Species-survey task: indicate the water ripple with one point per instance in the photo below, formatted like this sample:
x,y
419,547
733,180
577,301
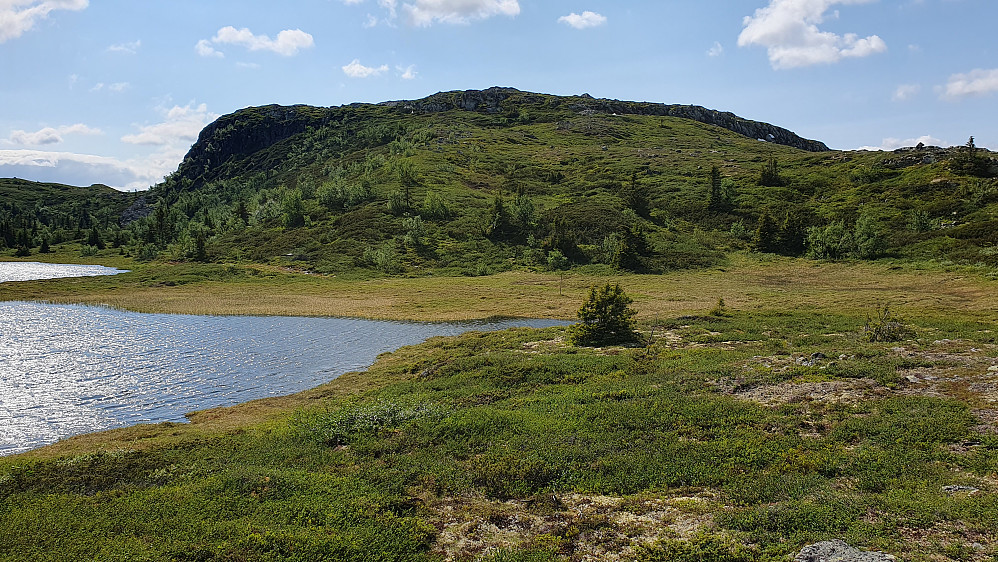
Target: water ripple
x,y
67,369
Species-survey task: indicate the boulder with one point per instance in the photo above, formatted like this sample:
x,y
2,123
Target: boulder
x,y
839,551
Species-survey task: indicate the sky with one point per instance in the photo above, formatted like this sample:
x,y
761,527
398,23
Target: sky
x,y
116,91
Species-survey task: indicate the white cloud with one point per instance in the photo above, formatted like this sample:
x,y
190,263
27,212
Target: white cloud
x,y
126,48
974,83
19,16
49,135
170,139
81,169
716,50
391,6
407,73
288,42
905,92
894,143
424,13
181,126
789,31
205,49
584,20
357,70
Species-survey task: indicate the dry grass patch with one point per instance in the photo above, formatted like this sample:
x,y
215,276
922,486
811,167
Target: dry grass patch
x,y
577,527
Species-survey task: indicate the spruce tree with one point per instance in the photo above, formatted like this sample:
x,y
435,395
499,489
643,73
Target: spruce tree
x,y
766,237
605,318
716,199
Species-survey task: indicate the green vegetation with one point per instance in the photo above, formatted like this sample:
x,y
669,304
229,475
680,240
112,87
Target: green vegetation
x,y
367,190
735,437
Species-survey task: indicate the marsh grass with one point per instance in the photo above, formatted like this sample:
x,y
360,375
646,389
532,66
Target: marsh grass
x,y
747,283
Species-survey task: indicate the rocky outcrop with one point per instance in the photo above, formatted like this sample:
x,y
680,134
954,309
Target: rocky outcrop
x,y
245,132
839,551
492,99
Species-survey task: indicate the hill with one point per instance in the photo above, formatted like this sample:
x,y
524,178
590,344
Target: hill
x,y
32,213
478,182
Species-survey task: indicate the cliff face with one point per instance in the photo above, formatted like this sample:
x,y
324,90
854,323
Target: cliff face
x,y
492,101
233,137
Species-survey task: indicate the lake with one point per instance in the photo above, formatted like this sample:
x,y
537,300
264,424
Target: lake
x,y
68,369
29,271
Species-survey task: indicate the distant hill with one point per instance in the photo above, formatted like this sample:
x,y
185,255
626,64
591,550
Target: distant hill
x,y
32,211
475,182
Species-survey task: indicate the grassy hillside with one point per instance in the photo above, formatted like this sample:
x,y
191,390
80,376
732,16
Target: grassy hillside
x,y
521,180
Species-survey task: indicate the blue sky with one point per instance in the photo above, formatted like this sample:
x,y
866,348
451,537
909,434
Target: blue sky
x,y
115,91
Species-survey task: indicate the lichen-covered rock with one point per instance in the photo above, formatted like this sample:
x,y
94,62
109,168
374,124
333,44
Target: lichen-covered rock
x,y
839,551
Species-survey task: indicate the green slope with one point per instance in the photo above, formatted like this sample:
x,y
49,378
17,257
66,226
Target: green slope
x,y
480,182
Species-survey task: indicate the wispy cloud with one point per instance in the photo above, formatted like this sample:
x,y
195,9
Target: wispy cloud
x,y
407,73
129,48
287,43
180,125
205,49
789,31
905,92
585,20
974,83
116,87
424,13
357,70
78,169
20,16
49,135
427,12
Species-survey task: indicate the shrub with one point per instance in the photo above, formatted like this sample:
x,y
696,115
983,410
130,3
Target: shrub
x,y
385,258
887,327
605,318
701,548
341,427
415,231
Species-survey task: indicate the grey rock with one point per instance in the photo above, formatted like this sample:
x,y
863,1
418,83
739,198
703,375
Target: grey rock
x,y
957,489
839,551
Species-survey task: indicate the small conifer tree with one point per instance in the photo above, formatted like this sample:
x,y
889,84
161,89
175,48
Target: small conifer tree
x,y
766,237
605,318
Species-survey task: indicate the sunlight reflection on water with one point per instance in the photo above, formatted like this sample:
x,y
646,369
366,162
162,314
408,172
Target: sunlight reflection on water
x,y
29,271
66,369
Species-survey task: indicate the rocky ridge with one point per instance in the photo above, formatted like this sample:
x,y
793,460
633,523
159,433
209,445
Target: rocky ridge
x,y
493,99
223,145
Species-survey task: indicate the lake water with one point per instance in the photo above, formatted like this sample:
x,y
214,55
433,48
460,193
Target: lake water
x,y
28,271
67,369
